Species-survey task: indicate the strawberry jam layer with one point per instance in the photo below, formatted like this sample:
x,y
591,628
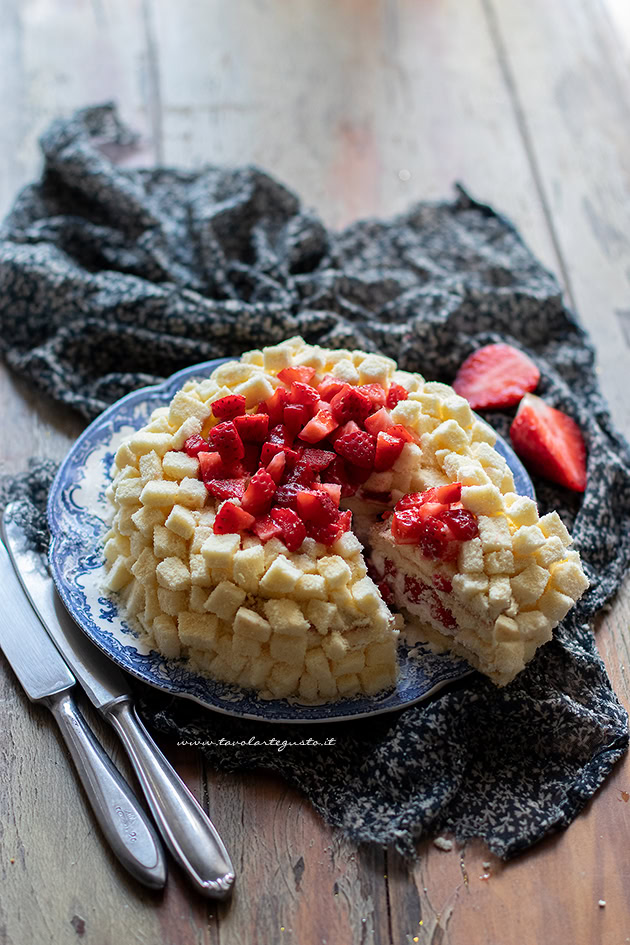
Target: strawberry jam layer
x,y
417,596
435,521
285,465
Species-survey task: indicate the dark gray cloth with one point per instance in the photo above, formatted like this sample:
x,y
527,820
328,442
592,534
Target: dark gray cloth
x,y
111,279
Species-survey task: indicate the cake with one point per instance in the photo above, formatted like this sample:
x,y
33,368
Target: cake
x,y
282,520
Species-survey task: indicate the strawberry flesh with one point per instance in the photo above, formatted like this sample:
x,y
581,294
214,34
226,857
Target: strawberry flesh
x,y
290,374
550,443
494,376
292,527
226,408
252,427
350,404
226,488
231,518
388,449
225,440
259,493
395,394
358,447
195,444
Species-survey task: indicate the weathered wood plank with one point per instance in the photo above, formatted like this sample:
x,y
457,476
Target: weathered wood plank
x,y
568,67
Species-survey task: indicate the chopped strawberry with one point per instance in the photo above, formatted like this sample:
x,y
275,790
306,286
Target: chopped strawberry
x,y
442,583
357,475
293,530
462,523
452,492
226,488
225,440
275,467
376,394
395,394
194,445
407,436
265,528
550,443
318,459
345,521
295,416
495,376
315,506
252,427
319,427
372,496
211,466
331,488
286,495
330,386
407,526
388,449
274,406
441,613
349,427
381,420
231,518
259,493
226,408
290,374
386,593
350,404
358,447
304,394
270,450
302,473
326,534
337,474
251,457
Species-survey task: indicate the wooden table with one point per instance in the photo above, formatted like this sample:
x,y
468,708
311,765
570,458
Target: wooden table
x,y
361,106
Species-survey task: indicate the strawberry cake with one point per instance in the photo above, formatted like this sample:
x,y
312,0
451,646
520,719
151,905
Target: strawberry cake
x,y
283,520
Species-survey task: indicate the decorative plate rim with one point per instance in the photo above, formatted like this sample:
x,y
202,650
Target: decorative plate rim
x,y
76,559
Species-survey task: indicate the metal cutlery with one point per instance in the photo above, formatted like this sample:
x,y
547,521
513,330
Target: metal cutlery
x,y
186,829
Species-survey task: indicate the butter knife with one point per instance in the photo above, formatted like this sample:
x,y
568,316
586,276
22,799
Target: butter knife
x,y
186,829
46,679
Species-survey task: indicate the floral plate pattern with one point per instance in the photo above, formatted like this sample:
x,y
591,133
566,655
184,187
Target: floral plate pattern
x,y
78,513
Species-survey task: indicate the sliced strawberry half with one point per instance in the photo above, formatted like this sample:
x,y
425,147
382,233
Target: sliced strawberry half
x,y
496,376
226,488
252,427
195,444
388,449
232,518
225,440
550,443
259,493
292,526
226,408
358,447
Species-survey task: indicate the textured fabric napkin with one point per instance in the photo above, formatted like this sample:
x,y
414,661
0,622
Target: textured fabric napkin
x,y
112,278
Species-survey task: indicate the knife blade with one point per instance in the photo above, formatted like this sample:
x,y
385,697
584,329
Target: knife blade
x,y
186,829
46,679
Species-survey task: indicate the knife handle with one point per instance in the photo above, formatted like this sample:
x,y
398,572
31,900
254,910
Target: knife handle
x,y
186,829
122,820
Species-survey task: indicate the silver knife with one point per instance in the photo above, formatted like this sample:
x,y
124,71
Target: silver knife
x,y
46,678
186,829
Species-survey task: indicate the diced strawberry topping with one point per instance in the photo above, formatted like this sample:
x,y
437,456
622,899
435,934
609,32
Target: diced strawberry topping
x,y
226,488
286,495
290,374
195,444
226,408
259,493
265,528
326,534
376,394
332,489
330,386
316,506
359,448
225,440
304,394
345,521
350,404
435,521
275,467
317,459
275,405
395,394
211,466
388,449
319,427
251,457
293,530
381,420
550,443
337,474
252,427
295,416
232,518
495,376
403,433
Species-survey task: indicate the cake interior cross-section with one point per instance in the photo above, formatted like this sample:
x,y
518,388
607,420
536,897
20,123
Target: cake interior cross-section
x,y
283,521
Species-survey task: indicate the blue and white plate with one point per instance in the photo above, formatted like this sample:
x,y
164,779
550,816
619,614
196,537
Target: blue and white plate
x,y
78,512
